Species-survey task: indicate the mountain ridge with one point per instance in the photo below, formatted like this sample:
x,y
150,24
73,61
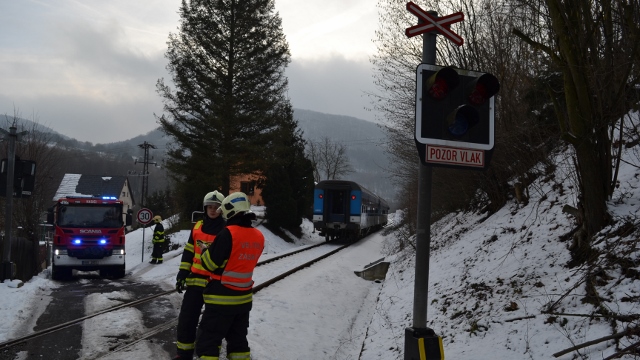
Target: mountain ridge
x,y
363,139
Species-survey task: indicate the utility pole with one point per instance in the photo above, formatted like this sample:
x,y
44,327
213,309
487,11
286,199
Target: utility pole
x,y
145,170
12,136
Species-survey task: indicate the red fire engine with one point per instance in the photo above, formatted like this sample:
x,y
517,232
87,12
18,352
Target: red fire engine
x,y
89,234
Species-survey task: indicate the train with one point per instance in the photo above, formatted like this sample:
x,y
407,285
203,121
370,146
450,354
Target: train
x,y
346,210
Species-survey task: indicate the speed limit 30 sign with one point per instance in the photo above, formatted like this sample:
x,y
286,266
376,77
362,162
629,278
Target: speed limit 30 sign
x,y
144,216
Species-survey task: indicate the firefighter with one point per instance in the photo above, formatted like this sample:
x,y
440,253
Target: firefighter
x,y
192,276
158,241
228,296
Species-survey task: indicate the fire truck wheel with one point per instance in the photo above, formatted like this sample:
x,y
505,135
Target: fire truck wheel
x,y
60,273
119,272
115,272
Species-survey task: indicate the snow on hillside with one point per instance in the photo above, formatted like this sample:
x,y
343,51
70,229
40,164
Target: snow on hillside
x,y
493,277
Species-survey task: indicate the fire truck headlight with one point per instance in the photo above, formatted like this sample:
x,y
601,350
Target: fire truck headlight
x,y
76,241
118,251
60,252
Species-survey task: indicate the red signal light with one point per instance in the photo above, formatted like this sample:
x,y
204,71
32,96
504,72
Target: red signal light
x,y
353,197
320,196
441,83
478,95
439,89
484,87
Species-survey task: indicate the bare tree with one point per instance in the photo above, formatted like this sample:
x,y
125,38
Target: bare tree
x,y
595,47
329,159
523,130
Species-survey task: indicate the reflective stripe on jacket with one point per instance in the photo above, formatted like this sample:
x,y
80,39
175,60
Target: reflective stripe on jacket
x,y
199,239
247,246
158,233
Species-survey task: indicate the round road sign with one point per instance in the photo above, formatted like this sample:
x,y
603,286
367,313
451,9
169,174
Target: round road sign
x,y
144,216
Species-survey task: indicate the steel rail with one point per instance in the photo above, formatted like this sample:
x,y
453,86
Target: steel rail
x,y
10,343
162,327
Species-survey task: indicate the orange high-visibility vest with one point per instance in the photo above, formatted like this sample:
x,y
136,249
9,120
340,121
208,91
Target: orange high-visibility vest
x,y
246,248
200,237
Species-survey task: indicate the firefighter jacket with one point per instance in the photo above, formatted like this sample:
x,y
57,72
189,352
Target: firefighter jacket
x,y
158,234
232,259
202,235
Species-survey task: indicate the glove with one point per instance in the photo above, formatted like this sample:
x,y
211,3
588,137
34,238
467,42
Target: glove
x,y
203,244
181,285
181,282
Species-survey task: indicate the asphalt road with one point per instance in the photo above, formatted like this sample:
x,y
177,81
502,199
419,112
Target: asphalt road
x,y
68,304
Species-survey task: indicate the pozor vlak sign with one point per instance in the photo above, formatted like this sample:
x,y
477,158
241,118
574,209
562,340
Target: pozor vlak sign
x,y
454,116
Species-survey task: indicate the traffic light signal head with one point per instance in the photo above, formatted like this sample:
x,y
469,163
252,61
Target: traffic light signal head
x,y
454,107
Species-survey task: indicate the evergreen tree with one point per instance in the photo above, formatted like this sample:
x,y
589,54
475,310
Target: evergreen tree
x,y
288,185
227,64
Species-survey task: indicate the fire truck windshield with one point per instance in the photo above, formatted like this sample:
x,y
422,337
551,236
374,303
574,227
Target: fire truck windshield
x,y
90,216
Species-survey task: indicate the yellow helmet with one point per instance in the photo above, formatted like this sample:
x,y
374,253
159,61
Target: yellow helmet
x,y
157,218
212,198
235,204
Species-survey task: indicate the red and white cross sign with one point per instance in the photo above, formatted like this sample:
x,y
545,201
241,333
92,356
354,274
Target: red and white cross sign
x,y
440,24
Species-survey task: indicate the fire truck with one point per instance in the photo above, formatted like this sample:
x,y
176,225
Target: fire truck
x,y
88,234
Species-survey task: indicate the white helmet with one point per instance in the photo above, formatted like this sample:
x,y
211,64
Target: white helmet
x,y
234,204
212,198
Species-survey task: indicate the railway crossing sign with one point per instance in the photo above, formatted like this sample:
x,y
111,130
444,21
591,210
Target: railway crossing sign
x,y
144,216
431,23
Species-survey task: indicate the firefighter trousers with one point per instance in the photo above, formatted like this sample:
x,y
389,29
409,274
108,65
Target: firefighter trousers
x,y
188,320
217,325
156,254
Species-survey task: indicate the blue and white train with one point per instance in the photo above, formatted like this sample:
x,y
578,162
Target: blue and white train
x,y
346,210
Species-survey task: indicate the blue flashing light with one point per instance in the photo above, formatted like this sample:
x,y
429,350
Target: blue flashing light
x,y
109,198
103,241
77,241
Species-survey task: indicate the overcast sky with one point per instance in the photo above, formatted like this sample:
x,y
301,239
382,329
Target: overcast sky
x,y
88,68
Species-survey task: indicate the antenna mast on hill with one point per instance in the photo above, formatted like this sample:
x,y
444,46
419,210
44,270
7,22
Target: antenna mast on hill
x,y
145,170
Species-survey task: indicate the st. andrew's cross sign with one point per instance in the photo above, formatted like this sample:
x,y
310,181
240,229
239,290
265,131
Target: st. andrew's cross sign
x,y
430,23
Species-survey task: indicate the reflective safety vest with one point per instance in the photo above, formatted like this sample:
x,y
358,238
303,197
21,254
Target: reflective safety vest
x,y
199,239
246,248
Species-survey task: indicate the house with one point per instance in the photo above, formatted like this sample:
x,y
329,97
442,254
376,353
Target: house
x,y
247,184
97,186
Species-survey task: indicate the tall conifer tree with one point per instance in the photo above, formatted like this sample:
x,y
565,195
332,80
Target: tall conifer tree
x,y
227,63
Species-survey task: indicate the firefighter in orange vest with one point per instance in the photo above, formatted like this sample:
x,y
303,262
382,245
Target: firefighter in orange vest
x,y
228,296
192,276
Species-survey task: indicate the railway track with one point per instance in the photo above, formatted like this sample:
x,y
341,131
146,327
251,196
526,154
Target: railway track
x,y
300,259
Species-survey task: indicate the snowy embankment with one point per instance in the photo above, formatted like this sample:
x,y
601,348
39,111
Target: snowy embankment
x,y
499,285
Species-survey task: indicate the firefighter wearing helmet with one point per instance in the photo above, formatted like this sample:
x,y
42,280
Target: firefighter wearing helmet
x,y
228,296
192,276
158,241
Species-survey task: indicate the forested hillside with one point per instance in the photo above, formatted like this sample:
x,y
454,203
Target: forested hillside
x,y
363,139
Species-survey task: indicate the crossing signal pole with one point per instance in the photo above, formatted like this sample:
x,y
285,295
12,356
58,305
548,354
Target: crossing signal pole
x,y
145,170
454,128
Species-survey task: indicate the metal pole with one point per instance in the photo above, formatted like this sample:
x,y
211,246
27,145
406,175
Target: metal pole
x,y
423,236
421,343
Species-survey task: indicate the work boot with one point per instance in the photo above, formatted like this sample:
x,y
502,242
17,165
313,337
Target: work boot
x,y
153,261
183,357
159,262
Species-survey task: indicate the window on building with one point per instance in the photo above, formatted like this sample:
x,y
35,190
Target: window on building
x,y
247,187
